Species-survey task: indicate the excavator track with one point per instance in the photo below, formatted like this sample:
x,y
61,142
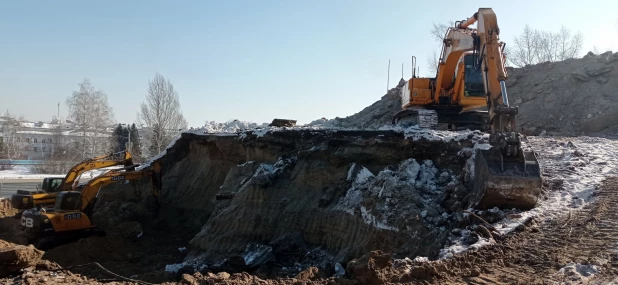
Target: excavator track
x,y
427,119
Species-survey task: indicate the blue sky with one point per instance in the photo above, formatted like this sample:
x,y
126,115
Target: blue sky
x,y
247,60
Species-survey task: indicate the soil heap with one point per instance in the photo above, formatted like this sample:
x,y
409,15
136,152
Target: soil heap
x,y
571,97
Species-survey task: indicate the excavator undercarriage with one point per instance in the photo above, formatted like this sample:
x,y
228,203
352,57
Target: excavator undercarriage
x,y
442,118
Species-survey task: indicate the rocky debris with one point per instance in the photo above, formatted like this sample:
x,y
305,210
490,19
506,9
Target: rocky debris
x,y
278,202
15,257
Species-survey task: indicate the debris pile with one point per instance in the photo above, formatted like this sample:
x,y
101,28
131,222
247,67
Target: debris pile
x,y
14,257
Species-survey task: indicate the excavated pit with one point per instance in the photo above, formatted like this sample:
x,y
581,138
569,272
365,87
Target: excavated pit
x,y
275,202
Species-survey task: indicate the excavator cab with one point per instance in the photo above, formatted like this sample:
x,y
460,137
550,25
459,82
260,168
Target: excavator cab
x,y
473,78
68,200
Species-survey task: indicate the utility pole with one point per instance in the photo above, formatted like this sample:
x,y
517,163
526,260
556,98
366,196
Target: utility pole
x,y
388,75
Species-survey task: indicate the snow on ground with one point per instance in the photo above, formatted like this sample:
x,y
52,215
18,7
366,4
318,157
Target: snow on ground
x,y
24,172
233,126
573,167
578,272
161,154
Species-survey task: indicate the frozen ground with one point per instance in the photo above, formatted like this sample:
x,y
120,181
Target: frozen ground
x,y
573,168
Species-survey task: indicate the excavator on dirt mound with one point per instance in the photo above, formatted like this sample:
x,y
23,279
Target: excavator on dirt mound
x,y
471,75
71,216
28,199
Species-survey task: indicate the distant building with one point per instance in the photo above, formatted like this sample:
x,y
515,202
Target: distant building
x,y
39,140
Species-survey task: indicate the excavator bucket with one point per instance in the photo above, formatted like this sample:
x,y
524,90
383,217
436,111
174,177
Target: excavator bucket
x,y
506,182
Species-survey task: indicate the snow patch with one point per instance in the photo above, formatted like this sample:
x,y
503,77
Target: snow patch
x,y
24,172
396,193
161,154
372,220
573,168
578,272
232,126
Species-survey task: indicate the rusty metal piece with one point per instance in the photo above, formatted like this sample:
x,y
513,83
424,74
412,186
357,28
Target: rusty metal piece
x,y
506,182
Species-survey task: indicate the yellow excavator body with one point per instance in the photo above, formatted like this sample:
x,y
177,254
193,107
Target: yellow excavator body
x,y
471,76
71,215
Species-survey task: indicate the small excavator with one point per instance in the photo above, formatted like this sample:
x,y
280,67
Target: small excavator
x,y
28,199
471,75
71,216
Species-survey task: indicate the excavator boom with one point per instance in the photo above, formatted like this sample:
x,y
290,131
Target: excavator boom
x,y
26,199
107,160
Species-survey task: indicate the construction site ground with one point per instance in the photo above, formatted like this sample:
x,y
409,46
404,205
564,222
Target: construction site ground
x,y
355,201
578,248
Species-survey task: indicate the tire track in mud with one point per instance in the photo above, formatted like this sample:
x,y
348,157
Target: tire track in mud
x,y
582,243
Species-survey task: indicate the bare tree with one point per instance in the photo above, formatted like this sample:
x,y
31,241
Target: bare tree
x,y
535,46
90,111
432,62
161,113
12,140
568,45
438,31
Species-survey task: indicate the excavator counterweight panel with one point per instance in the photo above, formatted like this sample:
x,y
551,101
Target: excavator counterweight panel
x,y
506,182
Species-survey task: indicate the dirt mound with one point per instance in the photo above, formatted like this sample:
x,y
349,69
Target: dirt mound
x,y
15,257
571,97
10,227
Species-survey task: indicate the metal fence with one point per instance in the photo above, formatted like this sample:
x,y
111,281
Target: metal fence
x,y
8,188
21,162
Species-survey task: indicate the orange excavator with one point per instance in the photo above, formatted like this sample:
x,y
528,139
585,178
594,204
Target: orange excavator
x,y
471,76
27,199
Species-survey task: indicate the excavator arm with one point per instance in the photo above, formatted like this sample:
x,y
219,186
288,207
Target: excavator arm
x,y
107,160
91,190
506,176
491,61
